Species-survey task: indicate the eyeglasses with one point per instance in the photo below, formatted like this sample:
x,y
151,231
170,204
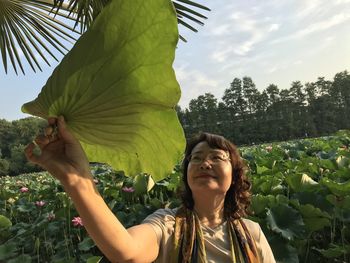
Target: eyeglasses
x,y
213,158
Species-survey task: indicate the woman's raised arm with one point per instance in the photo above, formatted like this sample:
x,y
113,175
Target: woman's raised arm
x,y
63,157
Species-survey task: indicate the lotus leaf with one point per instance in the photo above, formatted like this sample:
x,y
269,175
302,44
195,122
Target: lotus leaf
x,y
24,258
7,250
5,222
335,251
143,184
94,259
261,202
339,189
314,218
302,182
282,251
117,89
285,220
343,161
86,244
316,199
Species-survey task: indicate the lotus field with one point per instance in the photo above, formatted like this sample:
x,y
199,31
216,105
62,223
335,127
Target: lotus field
x,y
301,199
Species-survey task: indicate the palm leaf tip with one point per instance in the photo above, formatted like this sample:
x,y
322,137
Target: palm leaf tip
x,y
26,30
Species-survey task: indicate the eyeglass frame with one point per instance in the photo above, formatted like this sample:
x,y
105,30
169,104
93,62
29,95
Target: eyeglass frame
x,y
212,162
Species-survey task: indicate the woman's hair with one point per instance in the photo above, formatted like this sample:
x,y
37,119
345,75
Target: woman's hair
x,y
237,199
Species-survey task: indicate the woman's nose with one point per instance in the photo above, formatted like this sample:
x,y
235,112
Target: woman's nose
x,y
205,164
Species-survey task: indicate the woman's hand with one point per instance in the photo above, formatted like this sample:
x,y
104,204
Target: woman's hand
x,y
61,153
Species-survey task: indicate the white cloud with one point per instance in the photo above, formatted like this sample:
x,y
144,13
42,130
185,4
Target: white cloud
x,y
221,30
324,25
309,7
340,2
315,27
273,27
272,70
193,83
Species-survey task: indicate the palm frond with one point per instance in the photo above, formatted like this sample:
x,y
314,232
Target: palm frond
x,y
27,29
87,10
33,28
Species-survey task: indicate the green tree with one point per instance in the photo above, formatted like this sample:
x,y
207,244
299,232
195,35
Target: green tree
x,y
18,163
236,105
4,166
272,92
251,94
13,136
297,94
7,136
340,92
234,98
204,113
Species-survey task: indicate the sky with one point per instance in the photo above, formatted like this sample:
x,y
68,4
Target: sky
x,y
271,41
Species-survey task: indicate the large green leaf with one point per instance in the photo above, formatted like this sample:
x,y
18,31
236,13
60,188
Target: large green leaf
x,y
314,218
117,89
285,220
261,202
94,259
302,182
335,251
143,184
282,251
4,222
24,258
7,251
339,189
316,199
86,244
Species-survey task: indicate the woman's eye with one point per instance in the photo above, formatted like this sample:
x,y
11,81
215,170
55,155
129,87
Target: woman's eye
x,y
217,157
195,158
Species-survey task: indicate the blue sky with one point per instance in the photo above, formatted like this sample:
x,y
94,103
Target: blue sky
x,y
271,41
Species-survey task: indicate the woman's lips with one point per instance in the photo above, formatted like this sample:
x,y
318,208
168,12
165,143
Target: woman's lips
x,y
205,175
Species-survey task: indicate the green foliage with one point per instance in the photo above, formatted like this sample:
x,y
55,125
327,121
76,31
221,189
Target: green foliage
x,y
307,219
298,200
4,167
246,115
13,138
119,100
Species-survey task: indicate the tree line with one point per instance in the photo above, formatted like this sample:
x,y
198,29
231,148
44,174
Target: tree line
x,y
14,136
246,115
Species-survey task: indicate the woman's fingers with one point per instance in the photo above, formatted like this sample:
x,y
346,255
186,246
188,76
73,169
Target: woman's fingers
x,y
48,130
42,141
52,121
63,131
29,152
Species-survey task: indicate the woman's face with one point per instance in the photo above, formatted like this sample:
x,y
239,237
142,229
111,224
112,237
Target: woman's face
x,y
209,169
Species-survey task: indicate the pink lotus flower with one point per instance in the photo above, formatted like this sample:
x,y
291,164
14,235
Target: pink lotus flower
x,y
128,189
268,148
24,189
77,221
40,203
51,216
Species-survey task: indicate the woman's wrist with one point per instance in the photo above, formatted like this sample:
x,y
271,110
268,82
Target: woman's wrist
x,y
76,182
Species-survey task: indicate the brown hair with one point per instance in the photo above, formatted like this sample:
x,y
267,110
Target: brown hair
x,y
237,199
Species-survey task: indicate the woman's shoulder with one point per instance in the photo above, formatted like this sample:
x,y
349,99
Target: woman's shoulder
x,y
253,228
163,215
261,241
250,223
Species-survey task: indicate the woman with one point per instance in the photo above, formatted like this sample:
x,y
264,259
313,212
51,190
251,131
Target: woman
x,y
207,228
